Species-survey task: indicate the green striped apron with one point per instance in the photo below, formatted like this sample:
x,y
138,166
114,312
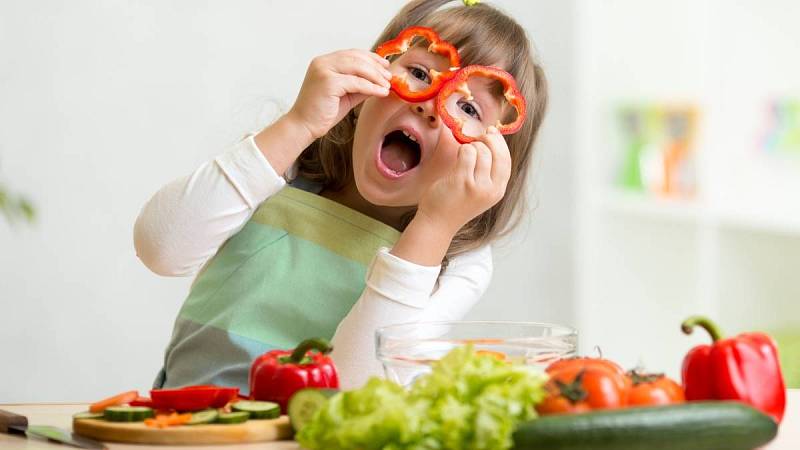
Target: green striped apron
x,y
294,271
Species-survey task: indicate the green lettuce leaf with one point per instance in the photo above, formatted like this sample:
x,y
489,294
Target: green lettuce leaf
x,y
468,401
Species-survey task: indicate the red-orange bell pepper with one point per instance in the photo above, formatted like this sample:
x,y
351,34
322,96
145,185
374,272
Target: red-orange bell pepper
x,y
276,375
744,368
193,398
402,43
459,84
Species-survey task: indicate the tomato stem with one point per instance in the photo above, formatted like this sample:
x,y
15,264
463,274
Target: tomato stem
x,y
574,391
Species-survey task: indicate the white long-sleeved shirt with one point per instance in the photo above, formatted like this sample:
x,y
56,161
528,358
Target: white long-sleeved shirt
x,y
184,224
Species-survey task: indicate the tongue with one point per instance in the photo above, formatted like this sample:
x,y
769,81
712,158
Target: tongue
x,y
397,156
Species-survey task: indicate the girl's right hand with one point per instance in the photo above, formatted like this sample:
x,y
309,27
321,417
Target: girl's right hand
x,y
334,84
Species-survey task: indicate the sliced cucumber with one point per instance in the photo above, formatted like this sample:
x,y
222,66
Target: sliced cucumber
x,y
127,413
305,402
203,417
258,410
233,417
88,415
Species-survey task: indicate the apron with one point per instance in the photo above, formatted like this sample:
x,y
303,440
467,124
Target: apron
x,y
293,272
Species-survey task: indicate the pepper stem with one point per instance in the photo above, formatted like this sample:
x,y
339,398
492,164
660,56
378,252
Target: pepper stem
x,y
688,325
319,344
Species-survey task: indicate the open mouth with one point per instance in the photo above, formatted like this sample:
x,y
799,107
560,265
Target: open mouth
x,y
400,152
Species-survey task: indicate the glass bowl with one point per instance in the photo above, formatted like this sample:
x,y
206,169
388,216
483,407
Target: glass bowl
x,y
408,350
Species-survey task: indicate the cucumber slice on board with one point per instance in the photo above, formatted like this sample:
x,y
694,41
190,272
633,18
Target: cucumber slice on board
x,y
305,402
203,417
233,417
88,415
257,409
127,413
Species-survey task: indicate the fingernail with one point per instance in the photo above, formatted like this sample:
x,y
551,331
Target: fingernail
x,y
491,129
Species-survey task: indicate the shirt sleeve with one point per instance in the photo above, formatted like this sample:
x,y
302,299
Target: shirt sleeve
x,y
184,224
398,291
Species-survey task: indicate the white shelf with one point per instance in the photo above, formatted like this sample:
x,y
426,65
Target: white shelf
x,y
651,207
693,212
643,262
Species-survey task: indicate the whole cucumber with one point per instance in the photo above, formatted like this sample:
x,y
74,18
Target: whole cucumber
x,y
708,425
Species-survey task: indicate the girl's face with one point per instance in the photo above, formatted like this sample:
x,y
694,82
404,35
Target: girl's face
x,y
400,149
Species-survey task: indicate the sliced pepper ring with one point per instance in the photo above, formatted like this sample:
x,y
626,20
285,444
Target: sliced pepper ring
x,y
402,43
458,85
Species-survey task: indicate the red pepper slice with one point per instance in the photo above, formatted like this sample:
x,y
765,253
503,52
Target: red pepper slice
x,y
276,375
744,368
142,401
459,84
402,43
193,398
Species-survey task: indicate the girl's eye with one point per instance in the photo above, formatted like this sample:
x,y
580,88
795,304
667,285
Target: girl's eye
x,y
470,110
419,74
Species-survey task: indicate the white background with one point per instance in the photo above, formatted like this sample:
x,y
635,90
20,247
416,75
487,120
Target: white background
x,y
104,101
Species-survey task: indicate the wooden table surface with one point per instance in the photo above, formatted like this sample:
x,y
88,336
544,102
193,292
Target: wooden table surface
x,y
60,415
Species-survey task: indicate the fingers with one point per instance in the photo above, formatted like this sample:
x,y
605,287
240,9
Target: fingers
x,y
466,160
351,84
501,158
361,63
383,61
483,164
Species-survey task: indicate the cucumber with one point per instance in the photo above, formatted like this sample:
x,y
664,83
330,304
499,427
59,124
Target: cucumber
x,y
233,417
88,415
690,426
258,410
203,417
305,402
127,413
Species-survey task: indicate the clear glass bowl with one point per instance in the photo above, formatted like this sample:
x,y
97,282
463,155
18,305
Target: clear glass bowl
x,y
408,350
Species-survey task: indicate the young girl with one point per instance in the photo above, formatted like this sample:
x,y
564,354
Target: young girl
x,y
371,230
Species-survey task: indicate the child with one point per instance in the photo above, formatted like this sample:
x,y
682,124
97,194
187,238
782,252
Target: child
x,y
371,230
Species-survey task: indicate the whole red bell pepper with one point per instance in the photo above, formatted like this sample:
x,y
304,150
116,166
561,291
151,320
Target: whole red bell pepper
x,y
276,375
744,368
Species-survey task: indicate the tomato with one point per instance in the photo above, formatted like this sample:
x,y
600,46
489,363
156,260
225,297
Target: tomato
x,y
557,404
585,362
576,389
653,390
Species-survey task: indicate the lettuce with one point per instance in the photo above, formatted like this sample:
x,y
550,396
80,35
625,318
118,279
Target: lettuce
x,y
468,401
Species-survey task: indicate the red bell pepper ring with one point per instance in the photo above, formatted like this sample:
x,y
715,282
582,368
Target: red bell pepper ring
x,y
744,368
276,375
402,43
193,398
459,84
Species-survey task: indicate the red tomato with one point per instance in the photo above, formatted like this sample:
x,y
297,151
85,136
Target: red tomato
x,y
653,390
579,389
585,362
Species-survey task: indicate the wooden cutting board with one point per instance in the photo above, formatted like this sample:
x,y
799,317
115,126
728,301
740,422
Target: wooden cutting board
x,y
139,433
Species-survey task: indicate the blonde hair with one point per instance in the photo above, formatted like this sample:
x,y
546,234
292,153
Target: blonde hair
x,y
484,35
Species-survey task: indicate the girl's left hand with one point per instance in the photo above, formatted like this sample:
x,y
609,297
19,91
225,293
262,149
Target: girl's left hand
x,y
476,183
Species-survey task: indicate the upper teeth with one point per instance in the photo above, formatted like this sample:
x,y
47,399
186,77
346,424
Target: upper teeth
x,y
409,136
